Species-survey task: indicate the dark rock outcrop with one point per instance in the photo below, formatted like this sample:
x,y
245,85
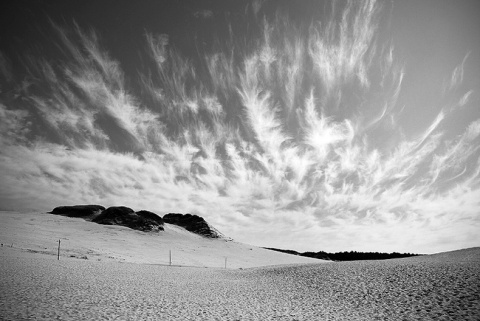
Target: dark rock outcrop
x,y
192,223
142,220
125,216
84,211
151,216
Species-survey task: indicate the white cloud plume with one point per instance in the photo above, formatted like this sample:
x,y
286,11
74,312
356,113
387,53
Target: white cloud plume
x,y
281,137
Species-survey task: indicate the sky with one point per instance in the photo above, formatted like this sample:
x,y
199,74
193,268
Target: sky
x,y
304,125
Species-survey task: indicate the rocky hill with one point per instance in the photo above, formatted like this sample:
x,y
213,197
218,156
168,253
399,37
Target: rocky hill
x,y
125,216
85,211
141,220
192,223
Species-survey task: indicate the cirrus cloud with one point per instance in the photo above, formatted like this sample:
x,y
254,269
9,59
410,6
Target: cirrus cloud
x,y
293,141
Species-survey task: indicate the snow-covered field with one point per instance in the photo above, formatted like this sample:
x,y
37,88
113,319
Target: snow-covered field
x,y
37,286
40,232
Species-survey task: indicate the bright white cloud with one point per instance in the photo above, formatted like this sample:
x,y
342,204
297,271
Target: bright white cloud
x,y
272,147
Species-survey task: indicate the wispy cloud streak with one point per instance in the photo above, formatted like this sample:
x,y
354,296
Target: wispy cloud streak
x,y
281,135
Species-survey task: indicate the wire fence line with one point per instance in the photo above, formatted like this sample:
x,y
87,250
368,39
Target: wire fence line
x,y
62,250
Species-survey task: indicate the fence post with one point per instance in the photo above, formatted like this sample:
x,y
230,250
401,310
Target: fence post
x,y
225,262
170,257
58,254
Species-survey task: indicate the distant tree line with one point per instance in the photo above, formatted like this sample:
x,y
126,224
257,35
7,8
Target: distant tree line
x,y
347,256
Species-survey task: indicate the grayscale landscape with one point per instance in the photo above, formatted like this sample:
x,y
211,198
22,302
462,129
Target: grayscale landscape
x,y
239,159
